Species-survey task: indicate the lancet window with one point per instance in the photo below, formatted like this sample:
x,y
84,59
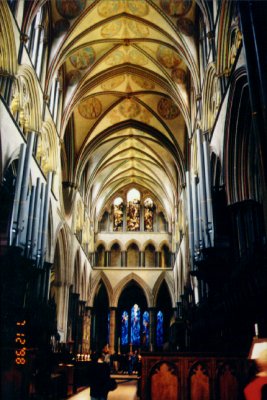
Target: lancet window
x,y
159,329
145,333
135,328
135,325
133,210
133,213
124,328
118,214
148,214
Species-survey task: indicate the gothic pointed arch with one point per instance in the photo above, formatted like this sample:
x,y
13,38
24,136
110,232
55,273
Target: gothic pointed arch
x,y
164,279
138,281
241,153
211,98
26,100
98,279
63,253
47,148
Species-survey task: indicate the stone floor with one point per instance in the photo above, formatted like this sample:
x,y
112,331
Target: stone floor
x,y
126,390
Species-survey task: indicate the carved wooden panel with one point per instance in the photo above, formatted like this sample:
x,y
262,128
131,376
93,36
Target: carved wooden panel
x,y
164,382
227,386
199,382
182,376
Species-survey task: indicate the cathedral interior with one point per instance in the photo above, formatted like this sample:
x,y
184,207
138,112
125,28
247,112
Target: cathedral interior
x,y
133,170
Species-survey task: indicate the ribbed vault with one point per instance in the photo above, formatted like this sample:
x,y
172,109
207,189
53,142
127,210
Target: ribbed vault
x,y
126,113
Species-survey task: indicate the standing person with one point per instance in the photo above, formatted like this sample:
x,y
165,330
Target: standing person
x,y
256,390
99,375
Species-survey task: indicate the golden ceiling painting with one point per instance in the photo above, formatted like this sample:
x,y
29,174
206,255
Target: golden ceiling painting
x,y
126,65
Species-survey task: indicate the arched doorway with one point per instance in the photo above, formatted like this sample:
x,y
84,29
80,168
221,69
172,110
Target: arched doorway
x,y
163,317
100,319
132,319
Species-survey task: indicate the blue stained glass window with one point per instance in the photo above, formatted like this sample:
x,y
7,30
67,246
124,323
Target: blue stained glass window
x,y
135,325
124,328
159,328
146,327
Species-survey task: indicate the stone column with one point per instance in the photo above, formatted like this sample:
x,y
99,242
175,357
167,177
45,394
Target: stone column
x,y
142,218
92,258
155,221
124,259
141,259
109,223
124,227
87,331
107,258
112,330
157,259
152,330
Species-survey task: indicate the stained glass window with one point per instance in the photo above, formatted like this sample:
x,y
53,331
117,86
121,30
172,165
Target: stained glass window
x,y
159,329
148,214
135,325
145,333
124,328
133,210
118,214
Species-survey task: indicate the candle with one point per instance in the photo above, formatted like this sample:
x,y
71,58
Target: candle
x,y
256,330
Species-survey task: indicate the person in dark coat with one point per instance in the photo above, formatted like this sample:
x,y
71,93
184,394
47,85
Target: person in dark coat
x,y
99,375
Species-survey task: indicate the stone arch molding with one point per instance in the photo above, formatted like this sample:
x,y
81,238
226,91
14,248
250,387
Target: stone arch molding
x,y
25,102
124,282
164,243
47,149
148,242
132,241
63,242
8,58
211,97
102,243
118,242
95,281
170,284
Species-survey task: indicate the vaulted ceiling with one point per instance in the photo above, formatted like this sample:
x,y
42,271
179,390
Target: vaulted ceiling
x,y
128,67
